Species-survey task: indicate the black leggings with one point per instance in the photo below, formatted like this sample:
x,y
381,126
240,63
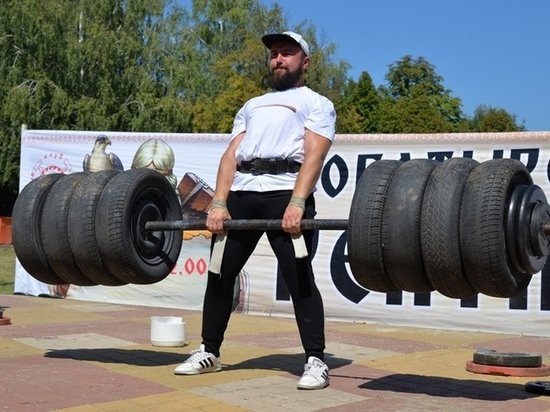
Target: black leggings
x,y
297,273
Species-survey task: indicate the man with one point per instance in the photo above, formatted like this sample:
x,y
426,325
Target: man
x,y
269,171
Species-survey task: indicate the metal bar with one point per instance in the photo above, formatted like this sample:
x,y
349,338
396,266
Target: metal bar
x,y
249,224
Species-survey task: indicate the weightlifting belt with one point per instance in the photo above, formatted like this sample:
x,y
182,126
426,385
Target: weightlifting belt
x,y
271,166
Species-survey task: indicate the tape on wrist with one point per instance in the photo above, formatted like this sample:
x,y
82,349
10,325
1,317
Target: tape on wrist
x,y
298,202
218,204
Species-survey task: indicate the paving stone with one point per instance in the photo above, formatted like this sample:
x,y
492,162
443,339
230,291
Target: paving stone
x,y
76,341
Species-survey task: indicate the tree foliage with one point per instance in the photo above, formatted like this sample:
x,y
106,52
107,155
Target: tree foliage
x,y
490,119
415,100
357,110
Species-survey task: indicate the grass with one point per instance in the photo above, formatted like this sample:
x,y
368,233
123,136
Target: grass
x,y
7,270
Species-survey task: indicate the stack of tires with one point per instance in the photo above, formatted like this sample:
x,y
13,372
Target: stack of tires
x,y
459,227
88,228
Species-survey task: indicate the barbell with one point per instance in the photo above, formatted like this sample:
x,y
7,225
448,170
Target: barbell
x,y
458,226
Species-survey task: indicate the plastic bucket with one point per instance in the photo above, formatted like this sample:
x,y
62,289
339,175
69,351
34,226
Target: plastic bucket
x,y
167,331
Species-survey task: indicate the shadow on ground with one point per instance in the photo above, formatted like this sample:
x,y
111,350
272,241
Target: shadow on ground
x,y
436,386
137,357
292,363
448,387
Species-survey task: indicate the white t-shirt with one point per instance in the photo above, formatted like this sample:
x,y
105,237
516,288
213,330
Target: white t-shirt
x,y
275,124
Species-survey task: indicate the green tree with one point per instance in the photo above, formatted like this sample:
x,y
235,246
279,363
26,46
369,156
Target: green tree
x,y
77,64
415,114
415,100
490,119
357,110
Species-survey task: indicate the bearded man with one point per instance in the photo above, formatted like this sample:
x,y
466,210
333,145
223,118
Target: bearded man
x,y
278,146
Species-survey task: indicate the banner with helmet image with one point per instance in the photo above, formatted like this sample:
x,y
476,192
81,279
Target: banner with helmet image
x,y
189,161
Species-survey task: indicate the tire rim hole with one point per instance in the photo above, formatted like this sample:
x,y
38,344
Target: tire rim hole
x,y
147,242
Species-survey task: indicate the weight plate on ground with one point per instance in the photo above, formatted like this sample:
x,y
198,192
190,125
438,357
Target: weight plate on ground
x,y
492,357
401,226
25,229
127,202
482,227
54,230
439,228
82,237
365,226
529,371
538,387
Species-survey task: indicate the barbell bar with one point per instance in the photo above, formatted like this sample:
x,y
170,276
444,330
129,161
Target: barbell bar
x,y
264,224
248,224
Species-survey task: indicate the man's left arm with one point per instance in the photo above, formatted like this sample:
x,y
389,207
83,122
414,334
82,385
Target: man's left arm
x,y
316,148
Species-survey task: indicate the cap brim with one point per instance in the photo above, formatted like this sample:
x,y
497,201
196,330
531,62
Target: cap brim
x,y
270,39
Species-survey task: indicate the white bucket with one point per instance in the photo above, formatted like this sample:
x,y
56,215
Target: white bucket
x,y
167,331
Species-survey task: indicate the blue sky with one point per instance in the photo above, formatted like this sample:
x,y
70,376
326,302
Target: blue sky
x,y
492,52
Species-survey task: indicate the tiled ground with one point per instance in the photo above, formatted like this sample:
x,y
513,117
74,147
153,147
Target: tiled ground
x,y
86,356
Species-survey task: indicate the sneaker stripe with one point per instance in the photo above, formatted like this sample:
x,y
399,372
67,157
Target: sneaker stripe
x,y
205,363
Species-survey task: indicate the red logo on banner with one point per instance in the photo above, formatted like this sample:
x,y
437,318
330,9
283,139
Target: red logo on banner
x,y
51,163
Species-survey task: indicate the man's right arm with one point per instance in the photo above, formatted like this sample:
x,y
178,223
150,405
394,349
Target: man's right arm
x,y
224,179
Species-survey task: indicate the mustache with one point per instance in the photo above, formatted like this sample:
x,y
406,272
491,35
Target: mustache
x,y
280,66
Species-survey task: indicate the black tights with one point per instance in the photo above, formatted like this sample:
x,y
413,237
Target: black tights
x,y
297,273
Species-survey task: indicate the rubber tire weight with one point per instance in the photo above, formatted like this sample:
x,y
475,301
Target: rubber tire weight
x,y
54,230
82,228
439,228
365,226
127,202
401,226
25,229
482,227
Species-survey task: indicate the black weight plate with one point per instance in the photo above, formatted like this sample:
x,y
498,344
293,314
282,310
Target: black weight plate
x,y
494,358
530,260
538,387
512,221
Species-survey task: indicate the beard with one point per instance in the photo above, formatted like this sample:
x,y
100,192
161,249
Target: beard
x,y
284,81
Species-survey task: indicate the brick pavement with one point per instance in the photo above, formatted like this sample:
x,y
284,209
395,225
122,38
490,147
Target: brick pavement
x,y
77,356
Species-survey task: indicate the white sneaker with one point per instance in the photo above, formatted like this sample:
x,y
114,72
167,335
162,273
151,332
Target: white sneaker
x,y
199,362
315,375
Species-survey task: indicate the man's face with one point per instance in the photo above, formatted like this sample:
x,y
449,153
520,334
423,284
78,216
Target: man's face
x,y
286,65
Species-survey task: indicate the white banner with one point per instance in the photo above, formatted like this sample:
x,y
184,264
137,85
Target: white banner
x,y
260,290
